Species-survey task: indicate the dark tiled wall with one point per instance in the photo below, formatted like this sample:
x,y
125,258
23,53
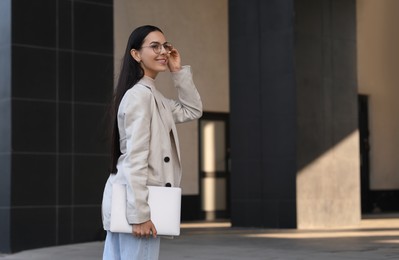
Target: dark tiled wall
x,y
5,123
263,115
62,78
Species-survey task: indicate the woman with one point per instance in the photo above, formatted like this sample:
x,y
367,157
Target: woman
x,y
145,147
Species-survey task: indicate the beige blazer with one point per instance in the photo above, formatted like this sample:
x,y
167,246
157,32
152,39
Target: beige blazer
x,y
149,141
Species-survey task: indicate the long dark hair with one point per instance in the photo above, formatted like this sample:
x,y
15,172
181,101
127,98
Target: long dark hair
x,y
131,72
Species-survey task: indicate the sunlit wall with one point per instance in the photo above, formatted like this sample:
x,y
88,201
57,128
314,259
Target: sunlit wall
x,y
378,77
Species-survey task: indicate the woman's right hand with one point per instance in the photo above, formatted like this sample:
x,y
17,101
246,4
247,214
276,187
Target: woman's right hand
x,y
145,229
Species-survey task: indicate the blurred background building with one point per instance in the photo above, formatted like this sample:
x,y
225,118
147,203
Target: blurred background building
x,y
300,113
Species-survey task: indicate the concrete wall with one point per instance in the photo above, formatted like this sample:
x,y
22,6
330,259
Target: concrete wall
x,y
378,60
198,29
328,181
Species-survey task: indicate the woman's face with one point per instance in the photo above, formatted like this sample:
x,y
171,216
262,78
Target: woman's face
x,y
153,62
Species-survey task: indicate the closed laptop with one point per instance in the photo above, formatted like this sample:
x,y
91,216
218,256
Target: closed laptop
x,y
165,205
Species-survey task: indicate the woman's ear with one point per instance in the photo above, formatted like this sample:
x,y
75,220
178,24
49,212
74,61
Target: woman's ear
x,y
136,55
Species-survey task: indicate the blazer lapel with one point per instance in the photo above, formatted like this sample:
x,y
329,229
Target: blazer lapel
x,y
168,122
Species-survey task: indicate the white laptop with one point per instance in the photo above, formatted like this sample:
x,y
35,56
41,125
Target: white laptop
x,y
164,203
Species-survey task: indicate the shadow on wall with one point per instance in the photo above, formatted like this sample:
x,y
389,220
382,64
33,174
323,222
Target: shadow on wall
x,y
328,165
326,73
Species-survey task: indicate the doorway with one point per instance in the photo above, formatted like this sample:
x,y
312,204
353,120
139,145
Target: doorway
x,y
364,134
214,163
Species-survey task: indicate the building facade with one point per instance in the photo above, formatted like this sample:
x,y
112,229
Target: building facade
x,y
56,78
299,111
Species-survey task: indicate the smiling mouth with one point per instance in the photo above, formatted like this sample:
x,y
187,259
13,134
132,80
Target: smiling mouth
x,y
163,61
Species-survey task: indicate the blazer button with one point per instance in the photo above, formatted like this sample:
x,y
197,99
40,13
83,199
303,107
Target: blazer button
x,y
166,159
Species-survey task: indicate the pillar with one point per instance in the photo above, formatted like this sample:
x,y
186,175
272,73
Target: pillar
x,y
263,113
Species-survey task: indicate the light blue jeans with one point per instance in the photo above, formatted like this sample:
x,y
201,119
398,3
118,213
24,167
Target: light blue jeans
x,y
124,246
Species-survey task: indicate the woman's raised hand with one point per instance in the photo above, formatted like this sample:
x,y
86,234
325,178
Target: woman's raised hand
x,y
174,60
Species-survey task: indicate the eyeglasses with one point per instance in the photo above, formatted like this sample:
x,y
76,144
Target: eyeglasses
x,y
157,47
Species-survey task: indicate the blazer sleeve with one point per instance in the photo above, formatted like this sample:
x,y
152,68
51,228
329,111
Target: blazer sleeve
x,y
137,113
189,104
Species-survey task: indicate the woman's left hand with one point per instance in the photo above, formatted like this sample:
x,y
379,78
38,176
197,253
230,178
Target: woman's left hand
x,y
145,229
174,60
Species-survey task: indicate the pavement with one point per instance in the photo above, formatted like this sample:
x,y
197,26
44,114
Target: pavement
x,y
373,238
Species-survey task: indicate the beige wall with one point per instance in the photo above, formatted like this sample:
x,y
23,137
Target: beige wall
x,y
378,77
198,29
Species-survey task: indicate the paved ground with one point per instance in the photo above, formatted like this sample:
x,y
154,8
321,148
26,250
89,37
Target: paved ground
x,y
373,239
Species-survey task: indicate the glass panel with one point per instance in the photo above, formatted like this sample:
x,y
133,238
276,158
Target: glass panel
x,y
213,146
214,194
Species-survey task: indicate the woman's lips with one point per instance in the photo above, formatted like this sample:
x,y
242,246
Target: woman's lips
x,y
162,61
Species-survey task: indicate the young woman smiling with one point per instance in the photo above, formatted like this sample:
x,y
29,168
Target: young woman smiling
x,y
144,142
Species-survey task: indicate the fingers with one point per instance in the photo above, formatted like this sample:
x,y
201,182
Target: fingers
x,y
142,233
173,52
154,231
136,230
174,61
174,55
144,230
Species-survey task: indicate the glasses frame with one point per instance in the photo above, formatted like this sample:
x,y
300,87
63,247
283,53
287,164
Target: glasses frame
x,y
157,47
